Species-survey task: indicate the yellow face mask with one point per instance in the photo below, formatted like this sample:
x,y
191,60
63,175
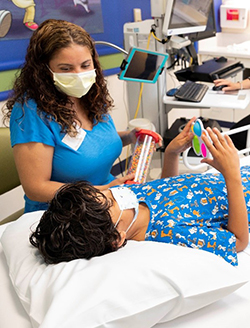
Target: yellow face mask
x,y
74,84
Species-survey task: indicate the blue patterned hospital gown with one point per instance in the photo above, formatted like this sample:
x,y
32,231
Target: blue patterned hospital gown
x,y
190,210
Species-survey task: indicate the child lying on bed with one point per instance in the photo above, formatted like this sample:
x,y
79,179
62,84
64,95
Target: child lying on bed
x,y
204,211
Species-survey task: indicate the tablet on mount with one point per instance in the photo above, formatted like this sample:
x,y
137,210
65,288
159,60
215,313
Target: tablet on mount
x,y
142,65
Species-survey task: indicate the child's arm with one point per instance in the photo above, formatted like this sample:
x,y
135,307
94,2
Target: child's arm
x,y
173,150
225,159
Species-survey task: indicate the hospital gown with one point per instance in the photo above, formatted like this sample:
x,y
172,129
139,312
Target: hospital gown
x,y
192,210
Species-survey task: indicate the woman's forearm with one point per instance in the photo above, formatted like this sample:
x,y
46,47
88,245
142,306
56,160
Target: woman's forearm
x,y
42,191
126,137
245,84
240,85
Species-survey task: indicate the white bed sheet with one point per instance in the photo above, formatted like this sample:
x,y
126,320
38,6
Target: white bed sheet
x,y
229,312
12,313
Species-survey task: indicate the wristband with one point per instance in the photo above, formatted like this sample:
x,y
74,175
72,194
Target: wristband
x,y
241,86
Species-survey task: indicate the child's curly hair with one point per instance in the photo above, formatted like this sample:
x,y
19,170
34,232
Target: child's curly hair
x,y
76,225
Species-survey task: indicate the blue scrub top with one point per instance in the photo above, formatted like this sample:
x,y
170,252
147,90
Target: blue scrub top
x,y
89,156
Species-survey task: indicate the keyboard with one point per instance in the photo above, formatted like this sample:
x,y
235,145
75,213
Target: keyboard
x,y
191,91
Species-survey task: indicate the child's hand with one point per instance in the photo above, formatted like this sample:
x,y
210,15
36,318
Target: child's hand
x,y
183,141
225,157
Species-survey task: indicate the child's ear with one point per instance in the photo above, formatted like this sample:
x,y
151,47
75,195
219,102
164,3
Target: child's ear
x,y
123,237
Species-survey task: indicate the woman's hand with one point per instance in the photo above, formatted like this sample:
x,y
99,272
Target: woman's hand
x,y
160,139
230,86
117,182
225,156
133,136
181,142
122,180
129,137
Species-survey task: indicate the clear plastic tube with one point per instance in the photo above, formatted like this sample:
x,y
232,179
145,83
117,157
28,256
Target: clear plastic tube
x,y
142,155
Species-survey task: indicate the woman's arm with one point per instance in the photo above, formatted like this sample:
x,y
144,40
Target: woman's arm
x,y
225,159
128,137
34,165
173,150
245,84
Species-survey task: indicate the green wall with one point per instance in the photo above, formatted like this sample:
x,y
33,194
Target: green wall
x,y
111,61
6,79
107,62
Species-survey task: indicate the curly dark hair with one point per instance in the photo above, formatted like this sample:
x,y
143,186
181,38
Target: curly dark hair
x,y
76,225
35,80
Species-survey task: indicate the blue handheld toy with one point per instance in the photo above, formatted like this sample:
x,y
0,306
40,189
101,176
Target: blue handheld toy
x,y
198,145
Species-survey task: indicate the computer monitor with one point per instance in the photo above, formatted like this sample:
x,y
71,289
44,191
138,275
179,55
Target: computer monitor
x,y
210,30
185,16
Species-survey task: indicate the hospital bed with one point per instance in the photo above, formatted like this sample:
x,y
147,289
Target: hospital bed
x,y
142,285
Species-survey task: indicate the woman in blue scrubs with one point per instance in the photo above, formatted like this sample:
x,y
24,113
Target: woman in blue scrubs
x,y
61,129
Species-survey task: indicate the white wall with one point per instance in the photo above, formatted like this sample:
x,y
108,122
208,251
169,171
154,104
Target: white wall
x,y
1,105
13,200
120,112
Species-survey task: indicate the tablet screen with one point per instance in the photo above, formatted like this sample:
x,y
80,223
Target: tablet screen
x,y
143,66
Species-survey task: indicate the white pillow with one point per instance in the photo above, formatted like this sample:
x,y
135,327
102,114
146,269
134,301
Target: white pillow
x,y
138,286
